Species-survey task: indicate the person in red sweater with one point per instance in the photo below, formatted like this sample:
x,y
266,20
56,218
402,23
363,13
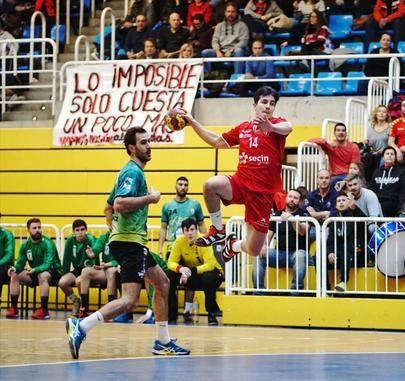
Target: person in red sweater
x,y
341,152
387,14
200,6
397,135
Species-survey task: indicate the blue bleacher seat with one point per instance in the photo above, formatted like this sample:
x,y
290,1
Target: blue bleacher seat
x,y
270,49
340,26
330,87
376,44
62,33
283,52
298,87
358,47
401,48
27,32
352,85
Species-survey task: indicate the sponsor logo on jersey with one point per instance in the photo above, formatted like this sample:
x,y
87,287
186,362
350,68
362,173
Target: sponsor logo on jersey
x,y
245,158
245,134
127,183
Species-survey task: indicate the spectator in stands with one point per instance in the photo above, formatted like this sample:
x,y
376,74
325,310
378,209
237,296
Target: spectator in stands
x,y
378,67
172,37
200,7
258,13
388,183
397,135
315,40
387,14
258,70
196,268
186,51
13,14
149,51
200,35
103,274
166,7
7,243
291,245
144,7
221,5
76,256
230,39
346,240
378,131
341,152
304,9
47,7
135,38
321,202
42,257
174,212
355,168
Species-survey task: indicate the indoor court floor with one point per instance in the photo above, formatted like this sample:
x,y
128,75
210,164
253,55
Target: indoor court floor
x,y
38,350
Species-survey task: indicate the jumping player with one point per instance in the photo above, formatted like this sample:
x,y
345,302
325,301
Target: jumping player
x,y
258,177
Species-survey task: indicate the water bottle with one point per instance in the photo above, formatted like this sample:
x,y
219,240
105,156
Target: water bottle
x,y
196,310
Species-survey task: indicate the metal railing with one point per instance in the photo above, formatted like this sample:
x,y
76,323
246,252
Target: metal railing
x,y
328,126
356,119
87,46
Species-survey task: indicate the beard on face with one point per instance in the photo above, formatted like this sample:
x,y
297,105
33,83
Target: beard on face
x,y
36,236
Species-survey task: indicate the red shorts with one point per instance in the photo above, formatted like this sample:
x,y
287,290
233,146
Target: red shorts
x,y
258,206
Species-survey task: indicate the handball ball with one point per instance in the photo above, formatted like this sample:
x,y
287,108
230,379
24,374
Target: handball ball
x,y
174,119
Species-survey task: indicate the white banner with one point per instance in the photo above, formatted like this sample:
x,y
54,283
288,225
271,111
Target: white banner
x,y
102,101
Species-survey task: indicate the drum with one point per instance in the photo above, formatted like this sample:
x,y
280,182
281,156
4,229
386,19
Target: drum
x,y
388,245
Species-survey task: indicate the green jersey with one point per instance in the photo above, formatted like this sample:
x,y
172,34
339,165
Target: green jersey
x,y
75,253
40,255
175,212
101,246
6,247
130,226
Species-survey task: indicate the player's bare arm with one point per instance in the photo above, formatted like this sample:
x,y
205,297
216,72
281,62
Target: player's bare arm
x,y
129,204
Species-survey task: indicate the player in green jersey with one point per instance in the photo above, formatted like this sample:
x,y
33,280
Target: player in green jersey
x,y
6,255
127,245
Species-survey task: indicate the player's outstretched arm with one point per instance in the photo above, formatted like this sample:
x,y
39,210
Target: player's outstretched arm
x,y
129,204
210,137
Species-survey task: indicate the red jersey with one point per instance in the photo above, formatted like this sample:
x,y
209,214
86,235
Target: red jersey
x,y
260,156
398,131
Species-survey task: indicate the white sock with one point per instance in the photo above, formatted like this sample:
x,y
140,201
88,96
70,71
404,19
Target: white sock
x,y
162,332
216,219
73,297
188,307
237,246
91,321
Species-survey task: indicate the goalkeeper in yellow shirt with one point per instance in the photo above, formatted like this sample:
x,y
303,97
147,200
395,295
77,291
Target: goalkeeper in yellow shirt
x,y
195,268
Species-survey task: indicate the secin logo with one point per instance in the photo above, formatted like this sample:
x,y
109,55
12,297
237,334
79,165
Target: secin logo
x,y
245,158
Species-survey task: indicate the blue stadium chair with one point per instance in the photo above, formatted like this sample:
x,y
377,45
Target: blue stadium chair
x,y
270,49
302,87
358,47
376,44
62,33
330,87
340,26
27,32
107,42
352,85
231,85
401,48
121,54
283,52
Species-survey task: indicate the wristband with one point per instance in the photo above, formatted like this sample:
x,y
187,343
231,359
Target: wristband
x,y
178,268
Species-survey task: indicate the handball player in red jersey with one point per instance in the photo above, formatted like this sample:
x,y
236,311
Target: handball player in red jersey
x,y
257,179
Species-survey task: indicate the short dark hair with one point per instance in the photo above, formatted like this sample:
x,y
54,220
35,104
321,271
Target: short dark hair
x,y
339,124
188,223
264,91
389,148
198,16
32,221
182,178
79,223
130,136
298,191
342,193
303,190
352,176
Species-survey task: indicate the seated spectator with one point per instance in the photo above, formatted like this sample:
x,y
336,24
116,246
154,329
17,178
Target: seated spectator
x,y
343,244
200,35
220,5
144,7
341,152
196,268
149,51
258,13
172,37
230,39
200,7
291,245
134,41
304,10
388,183
103,274
397,135
378,131
355,168
43,261
170,6
186,51
6,256
258,70
378,67
321,201
76,256
386,14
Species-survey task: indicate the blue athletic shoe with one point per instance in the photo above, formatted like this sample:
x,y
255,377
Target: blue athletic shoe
x,y
169,349
127,317
151,320
76,336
